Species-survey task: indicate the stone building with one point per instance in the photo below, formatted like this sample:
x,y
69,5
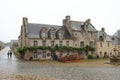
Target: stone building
x,y
116,42
71,33
105,47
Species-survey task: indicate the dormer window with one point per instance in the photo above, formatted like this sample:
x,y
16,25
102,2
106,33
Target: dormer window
x,y
52,35
43,34
82,26
60,35
101,38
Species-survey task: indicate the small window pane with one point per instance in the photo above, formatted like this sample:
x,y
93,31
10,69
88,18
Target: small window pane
x,y
52,43
35,43
60,43
81,44
44,43
43,34
91,43
35,55
67,43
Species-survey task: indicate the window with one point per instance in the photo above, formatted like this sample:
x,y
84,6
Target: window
x,y
67,43
101,38
35,55
82,26
44,54
110,53
90,35
82,44
35,43
81,35
91,43
61,43
52,35
100,53
60,35
76,45
48,54
52,43
43,34
118,46
43,43
75,34
100,44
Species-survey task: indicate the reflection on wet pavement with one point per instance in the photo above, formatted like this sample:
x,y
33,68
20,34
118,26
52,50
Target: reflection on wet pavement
x,y
60,71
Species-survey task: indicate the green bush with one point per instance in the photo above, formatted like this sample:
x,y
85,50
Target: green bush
x,y
0,47
90,56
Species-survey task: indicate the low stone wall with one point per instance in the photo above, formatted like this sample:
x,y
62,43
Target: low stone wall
x,y
16,52
115,59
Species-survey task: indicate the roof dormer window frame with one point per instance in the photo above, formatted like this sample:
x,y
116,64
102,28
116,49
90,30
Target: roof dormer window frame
x,y
43,33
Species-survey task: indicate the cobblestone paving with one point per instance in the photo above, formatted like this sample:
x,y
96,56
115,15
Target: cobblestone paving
x,y
67,73
7,76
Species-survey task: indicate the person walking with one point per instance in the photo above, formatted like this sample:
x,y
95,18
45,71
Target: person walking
x,y
10,54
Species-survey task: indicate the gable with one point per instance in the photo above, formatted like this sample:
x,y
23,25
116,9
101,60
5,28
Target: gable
x,y
76,25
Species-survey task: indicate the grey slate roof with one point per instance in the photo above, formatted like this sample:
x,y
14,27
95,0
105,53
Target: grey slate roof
x,y
116,37
33,29
76,25
108,37
117,34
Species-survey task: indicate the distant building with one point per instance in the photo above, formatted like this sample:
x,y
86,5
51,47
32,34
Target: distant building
x,y
14,43
116,42
105,47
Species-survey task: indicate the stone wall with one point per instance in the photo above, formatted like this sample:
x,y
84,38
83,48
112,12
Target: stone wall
x,y
104,50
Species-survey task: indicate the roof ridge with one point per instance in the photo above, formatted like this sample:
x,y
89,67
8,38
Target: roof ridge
x,y
44,24
77,21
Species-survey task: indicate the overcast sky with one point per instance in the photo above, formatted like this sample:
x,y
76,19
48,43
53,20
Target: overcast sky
x,y
103,13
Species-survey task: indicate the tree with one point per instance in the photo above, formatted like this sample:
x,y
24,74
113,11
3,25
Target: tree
x,y
79,50
31,48
0,47
22,51
87,48
92,49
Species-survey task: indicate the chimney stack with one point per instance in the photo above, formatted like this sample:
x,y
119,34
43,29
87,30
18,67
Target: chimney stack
x,y
103,29
68,17
25,21
88,21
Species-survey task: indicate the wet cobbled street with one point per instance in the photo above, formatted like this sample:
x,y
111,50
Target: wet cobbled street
x,y
56,70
